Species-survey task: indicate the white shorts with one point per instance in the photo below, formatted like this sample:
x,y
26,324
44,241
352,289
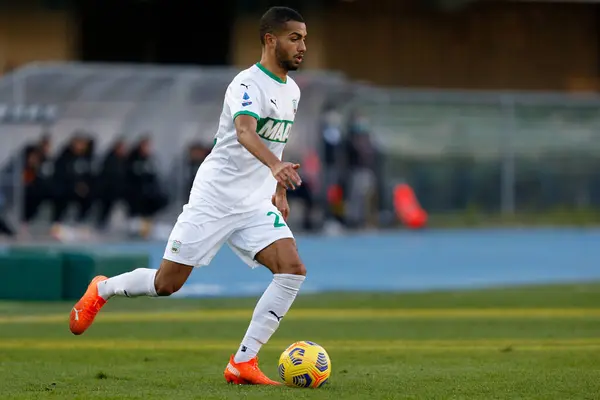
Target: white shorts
x,y
202,229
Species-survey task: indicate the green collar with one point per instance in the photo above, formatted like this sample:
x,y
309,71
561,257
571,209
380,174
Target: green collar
x,y
270,74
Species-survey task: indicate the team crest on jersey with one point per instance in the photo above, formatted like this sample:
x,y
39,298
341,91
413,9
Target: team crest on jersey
x,y
175,246
295,105
246,101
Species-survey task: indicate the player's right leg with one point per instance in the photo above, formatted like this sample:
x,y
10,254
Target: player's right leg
x,y
199,233
168,279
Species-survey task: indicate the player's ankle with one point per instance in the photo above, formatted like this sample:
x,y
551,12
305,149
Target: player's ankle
x,y
247,350
104,290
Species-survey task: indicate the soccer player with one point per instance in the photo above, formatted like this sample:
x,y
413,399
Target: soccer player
x,y
238,197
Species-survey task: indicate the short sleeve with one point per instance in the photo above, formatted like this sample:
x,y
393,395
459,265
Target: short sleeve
x,y
244,98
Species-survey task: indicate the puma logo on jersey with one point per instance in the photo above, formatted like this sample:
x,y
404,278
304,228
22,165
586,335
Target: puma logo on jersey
x,y
274,130
274,103
244,85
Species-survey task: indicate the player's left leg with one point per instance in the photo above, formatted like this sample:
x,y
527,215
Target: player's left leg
x,y
289,273
272,245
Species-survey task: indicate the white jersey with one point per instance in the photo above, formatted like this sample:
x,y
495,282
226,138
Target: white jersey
x,y
231,177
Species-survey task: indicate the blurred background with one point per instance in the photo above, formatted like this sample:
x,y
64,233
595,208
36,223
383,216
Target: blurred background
x,y
414,114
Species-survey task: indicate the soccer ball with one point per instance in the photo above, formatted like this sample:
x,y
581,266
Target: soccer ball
x,y
304,364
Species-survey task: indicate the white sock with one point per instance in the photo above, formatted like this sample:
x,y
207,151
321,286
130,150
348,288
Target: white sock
x,y
139,282
270,309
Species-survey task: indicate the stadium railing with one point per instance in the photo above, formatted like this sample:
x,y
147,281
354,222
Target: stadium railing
x,y
174,106
502,150
497,150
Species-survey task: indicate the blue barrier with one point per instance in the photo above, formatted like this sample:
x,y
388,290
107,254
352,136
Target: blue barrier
x,y
408,261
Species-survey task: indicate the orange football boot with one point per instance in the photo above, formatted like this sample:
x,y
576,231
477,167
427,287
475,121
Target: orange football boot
x,y
247,373
85,310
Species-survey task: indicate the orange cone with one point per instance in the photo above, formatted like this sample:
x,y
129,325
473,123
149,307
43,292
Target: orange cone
x,y
407,207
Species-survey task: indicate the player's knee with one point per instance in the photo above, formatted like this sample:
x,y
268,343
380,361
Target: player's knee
x,y
170,277
166,288
293,268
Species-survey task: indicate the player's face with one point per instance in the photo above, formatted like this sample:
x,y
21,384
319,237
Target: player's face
x,y
291,45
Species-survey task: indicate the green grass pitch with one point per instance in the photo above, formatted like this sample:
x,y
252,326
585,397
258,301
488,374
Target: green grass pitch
x,y
512,343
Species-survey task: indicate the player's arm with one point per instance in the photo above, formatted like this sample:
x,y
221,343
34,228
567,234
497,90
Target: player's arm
x,y
281,190
280,201
245,127
284,172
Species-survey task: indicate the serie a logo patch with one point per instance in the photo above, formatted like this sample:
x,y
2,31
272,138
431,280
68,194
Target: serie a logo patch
x,y
246,101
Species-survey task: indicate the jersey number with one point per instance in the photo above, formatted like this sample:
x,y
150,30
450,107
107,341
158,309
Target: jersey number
x,y
277,223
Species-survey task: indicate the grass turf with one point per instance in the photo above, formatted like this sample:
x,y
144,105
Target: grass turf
x,y
513,343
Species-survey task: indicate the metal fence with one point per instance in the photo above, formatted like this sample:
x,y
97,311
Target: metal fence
x,y
498,151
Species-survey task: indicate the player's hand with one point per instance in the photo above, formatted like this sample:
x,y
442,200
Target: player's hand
x,y
279,200
286,175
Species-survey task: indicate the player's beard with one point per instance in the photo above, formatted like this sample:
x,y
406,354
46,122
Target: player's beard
x,y
284,61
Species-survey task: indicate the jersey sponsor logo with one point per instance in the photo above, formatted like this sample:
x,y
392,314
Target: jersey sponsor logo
x,y
274,130
246,101
295,105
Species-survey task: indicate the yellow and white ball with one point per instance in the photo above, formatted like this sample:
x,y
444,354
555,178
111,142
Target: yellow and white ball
x,y
304,364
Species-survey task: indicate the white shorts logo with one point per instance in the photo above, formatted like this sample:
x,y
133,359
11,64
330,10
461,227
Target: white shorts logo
x,y
175,246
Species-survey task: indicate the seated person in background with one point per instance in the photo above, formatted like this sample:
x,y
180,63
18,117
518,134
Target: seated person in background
x,y
5,228
34,168
38,178
197,152
111,181
146,197
72,182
